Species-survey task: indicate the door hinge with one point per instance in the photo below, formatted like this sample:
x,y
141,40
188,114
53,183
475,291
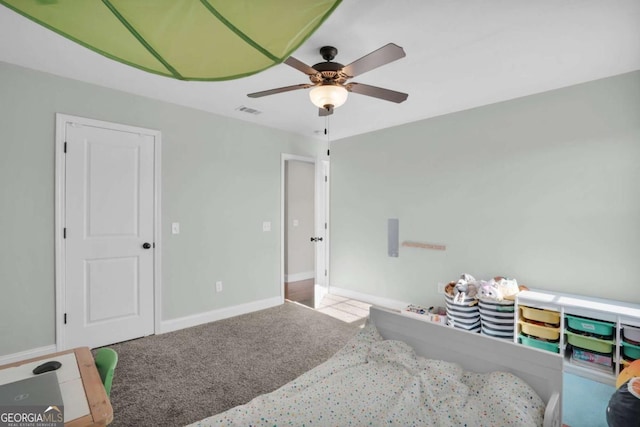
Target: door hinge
x,y
154,244
65,318
325,272
65,146
325,225
325,178
64,233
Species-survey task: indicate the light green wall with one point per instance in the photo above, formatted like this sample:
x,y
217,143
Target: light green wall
x,y
544,188
220,178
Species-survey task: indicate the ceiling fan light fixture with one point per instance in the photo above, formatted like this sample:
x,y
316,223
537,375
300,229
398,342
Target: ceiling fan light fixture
x,y
328,95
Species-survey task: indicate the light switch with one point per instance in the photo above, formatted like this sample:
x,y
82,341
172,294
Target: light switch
x,y
175,228
266,226
296,222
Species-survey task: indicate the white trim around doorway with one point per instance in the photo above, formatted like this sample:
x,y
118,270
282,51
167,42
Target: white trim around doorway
x,y
59,213
283,159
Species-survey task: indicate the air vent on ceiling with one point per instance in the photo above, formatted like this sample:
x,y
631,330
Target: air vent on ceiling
x,y
249,110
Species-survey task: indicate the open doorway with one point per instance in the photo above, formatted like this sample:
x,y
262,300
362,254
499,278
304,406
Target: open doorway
x,y
304,230
299,231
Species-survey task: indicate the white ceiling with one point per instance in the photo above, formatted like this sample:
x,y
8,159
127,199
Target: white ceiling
x,y
460,54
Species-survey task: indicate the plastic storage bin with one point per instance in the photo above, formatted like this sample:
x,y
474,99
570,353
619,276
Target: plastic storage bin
x,y
542,345
631,333
539,331
540,315
589,343
595,327
630,351
593,357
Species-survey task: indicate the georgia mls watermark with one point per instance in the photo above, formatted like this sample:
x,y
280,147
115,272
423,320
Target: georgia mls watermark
x,y
31,416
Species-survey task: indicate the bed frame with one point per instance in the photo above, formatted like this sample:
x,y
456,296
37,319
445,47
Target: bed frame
x,y
542,370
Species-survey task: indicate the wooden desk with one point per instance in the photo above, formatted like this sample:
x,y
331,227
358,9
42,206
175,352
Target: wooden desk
x,y
83,390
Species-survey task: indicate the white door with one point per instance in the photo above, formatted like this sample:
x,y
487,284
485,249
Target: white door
x,y
109,229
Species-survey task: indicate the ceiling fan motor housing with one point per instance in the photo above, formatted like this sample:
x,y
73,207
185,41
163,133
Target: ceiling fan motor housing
x,y
328,73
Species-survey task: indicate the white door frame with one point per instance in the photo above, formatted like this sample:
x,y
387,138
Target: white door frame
x,y
320,205
60,215
325,191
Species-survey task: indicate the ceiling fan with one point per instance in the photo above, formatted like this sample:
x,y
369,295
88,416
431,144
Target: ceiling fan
x,y
329,79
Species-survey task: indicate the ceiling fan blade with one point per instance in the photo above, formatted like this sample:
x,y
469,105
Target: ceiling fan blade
x,y
377,92
325,111
278,90
300,66
375,59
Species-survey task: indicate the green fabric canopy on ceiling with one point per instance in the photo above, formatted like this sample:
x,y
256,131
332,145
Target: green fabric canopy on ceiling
x,y
184,39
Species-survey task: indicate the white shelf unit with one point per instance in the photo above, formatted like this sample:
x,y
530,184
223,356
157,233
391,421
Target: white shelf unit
x,y
617,312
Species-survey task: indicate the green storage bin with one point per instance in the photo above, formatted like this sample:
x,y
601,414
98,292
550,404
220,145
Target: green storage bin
x,y
590,343
596,327
630,350
542,345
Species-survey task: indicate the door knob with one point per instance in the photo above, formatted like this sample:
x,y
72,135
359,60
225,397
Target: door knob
x,y
316,239
146,245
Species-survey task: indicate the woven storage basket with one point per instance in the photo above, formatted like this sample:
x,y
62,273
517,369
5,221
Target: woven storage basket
x,y
497,333
497,318
463,316
505,306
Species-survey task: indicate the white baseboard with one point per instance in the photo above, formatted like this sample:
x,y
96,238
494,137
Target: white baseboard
x,y
295,277
213,315
370,299
27,354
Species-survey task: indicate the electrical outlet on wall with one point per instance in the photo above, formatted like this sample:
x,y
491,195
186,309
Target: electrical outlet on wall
x,y
218,286
440,288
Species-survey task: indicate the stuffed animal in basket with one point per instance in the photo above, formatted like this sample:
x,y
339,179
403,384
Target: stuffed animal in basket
x,y
624,406
488,291
464,288
498,289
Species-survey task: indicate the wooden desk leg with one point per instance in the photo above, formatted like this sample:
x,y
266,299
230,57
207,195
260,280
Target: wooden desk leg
x,y
99,404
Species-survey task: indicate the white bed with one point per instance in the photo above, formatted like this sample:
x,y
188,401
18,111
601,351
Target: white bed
x,y
379,378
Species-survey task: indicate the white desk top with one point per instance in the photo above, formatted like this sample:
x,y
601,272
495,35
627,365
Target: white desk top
x,y
71,388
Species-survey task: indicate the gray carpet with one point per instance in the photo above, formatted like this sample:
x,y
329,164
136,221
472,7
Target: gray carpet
x,y
181,377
